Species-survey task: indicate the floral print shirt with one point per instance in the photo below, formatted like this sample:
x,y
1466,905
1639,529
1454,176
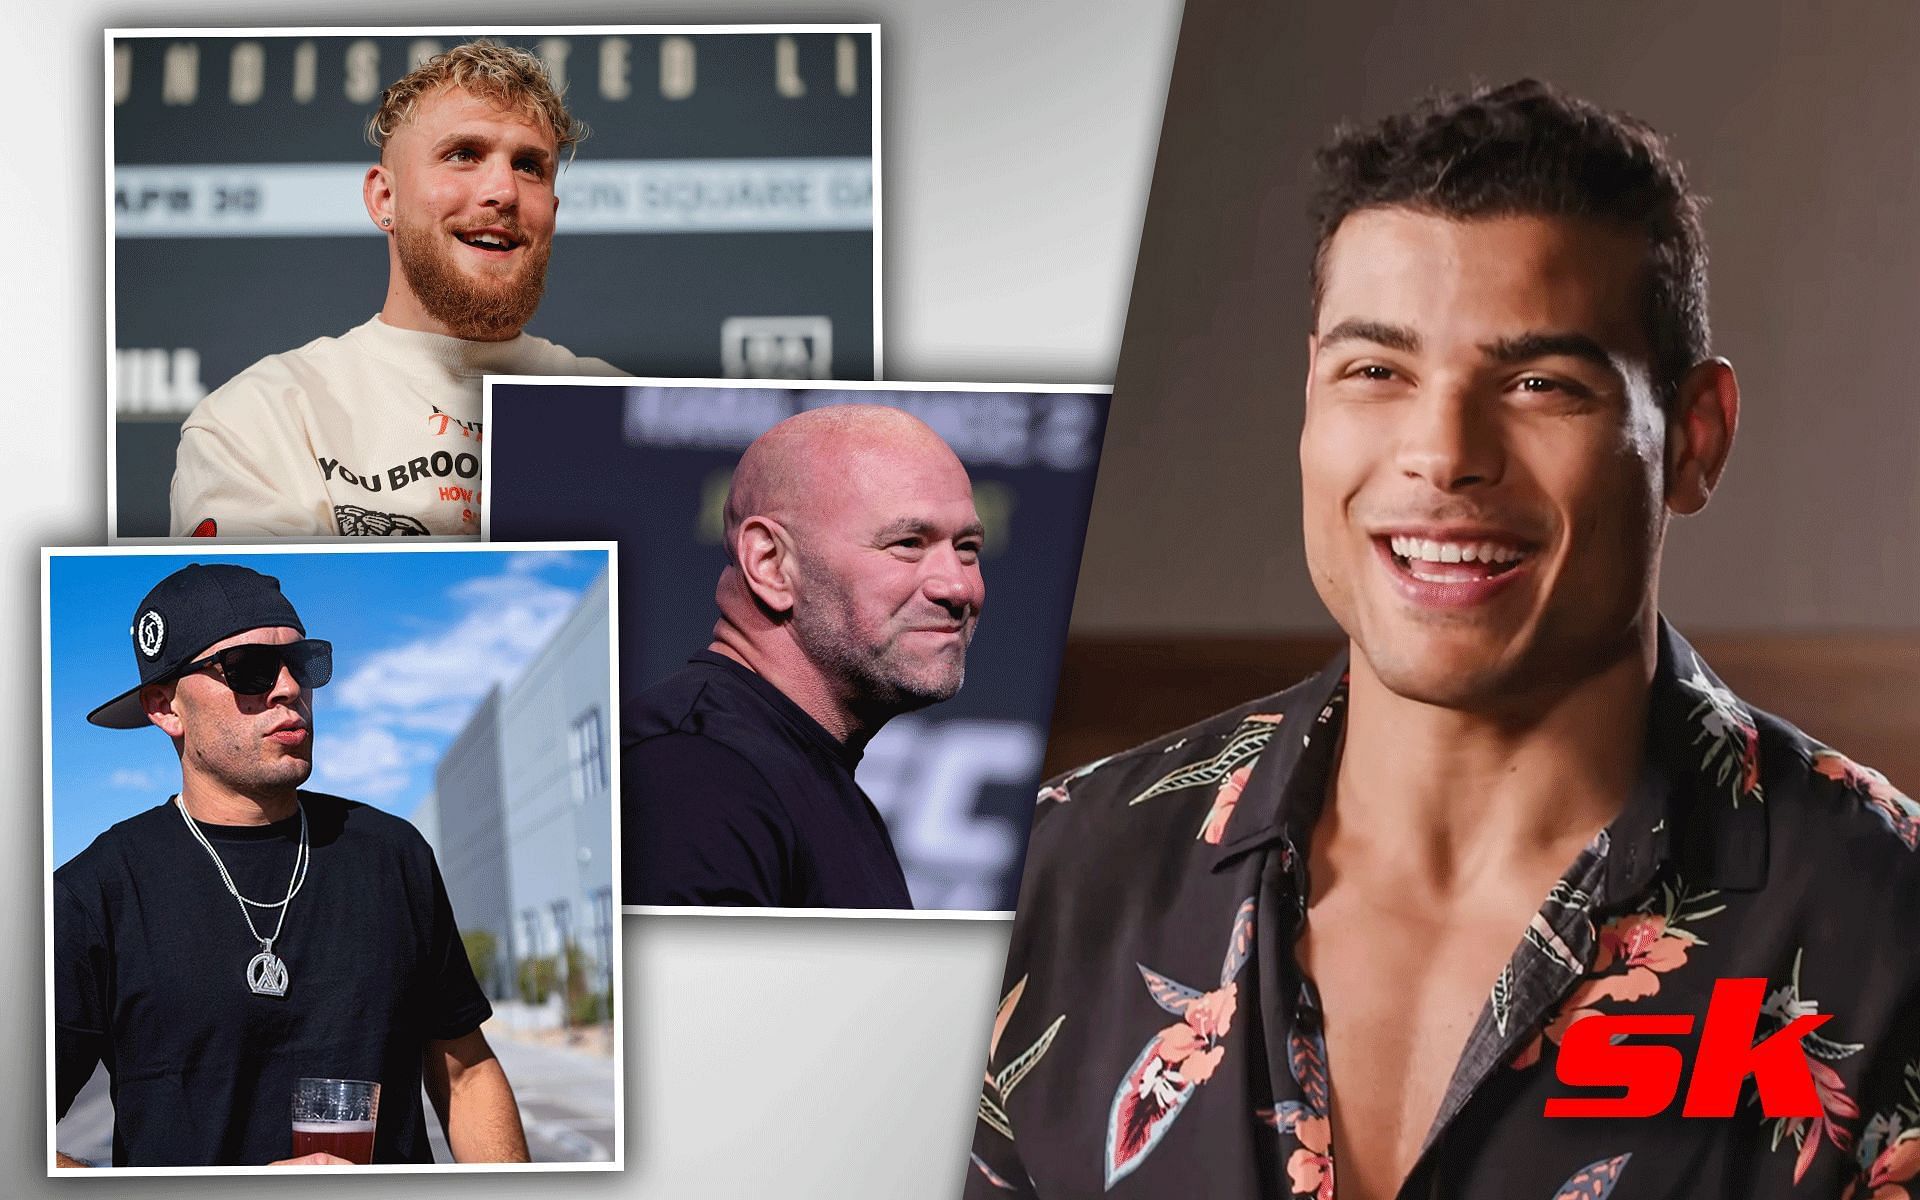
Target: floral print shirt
x,y
1158,1038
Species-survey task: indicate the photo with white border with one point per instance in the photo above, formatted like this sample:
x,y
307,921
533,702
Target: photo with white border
x,y
463,704
720,217
944,762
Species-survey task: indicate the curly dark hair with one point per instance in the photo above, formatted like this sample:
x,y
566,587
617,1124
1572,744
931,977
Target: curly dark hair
x,y
1529,148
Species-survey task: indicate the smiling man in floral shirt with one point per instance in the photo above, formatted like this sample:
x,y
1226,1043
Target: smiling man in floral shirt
x,y
1309,933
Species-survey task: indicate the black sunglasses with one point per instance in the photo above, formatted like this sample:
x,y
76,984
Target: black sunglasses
x,y
252,669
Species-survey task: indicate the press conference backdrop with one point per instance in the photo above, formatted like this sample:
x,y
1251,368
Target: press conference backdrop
x,y
649,467
718,222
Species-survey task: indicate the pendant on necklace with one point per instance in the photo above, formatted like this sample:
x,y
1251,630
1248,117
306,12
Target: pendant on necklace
x,y
267,974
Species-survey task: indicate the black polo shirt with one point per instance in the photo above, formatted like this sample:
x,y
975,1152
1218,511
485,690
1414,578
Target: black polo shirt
x,y
732,795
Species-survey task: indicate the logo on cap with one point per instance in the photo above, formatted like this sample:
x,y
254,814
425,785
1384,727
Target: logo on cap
x,y
150,633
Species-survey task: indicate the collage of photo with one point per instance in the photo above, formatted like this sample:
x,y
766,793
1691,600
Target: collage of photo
x,y
1330,770
522,721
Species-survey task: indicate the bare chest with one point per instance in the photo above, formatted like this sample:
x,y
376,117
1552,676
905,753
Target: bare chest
x,y
1401,991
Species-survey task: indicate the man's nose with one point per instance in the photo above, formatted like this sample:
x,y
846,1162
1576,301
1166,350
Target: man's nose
x,y
952,582
499,184
286,689
1450,437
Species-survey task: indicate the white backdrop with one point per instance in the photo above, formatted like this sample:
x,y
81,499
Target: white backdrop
x,y
765,1057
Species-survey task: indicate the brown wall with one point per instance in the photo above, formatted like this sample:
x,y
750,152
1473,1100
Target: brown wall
x,y
1797,124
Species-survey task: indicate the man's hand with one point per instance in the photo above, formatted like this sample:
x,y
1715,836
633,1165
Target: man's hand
x,y
318,1158
62,1159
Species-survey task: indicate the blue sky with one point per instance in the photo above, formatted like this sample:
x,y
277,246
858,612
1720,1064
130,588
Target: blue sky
x,y
418,638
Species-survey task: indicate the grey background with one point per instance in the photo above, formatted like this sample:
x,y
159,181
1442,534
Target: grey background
x,y
1018,145
765,1057
1797,122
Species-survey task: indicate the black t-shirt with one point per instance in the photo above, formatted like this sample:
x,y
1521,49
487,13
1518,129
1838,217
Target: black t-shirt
x,y
732,794
150,957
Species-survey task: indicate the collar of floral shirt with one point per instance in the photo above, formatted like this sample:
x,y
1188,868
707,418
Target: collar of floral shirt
x,y
1697,807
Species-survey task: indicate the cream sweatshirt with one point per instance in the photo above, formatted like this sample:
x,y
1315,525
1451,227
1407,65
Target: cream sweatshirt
x,y
374,432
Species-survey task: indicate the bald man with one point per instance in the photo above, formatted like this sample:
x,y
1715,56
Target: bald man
x,y
851,592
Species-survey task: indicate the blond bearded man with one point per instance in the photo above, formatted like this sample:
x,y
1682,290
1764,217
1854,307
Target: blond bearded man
x,y
377,431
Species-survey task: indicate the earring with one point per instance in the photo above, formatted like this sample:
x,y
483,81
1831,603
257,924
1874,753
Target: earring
x,y
386,220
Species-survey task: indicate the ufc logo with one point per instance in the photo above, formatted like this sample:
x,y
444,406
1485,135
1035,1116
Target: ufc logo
x,y
1590,1058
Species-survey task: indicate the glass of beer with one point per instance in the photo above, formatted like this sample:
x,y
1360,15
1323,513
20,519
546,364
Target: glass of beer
x,y
335,1116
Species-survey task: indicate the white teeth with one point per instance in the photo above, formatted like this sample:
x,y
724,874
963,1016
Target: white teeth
x,y
488,239
1424,550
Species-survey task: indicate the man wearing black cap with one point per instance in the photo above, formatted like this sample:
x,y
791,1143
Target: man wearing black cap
x,y
216,949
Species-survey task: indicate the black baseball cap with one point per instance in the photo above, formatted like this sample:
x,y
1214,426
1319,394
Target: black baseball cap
x,y
186,612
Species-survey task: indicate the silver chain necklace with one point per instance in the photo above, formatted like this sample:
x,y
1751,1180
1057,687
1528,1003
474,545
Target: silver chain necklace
x,y
266,973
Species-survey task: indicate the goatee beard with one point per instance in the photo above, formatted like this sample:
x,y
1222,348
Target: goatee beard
x,y
471,309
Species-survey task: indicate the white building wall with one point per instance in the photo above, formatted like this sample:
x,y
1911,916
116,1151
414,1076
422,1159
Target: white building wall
x,y
426,818
559,807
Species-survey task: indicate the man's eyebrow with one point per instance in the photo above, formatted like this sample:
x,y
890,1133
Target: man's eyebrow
x,y
921,527
534,150
1528,346
902,527
1358,329
460,137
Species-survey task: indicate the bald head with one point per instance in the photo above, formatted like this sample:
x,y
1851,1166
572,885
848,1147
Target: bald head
x,y
855,558
799,470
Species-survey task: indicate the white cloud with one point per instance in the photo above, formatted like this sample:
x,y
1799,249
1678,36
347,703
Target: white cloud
x,y
132,779
365,762
392,711
494,627
540,560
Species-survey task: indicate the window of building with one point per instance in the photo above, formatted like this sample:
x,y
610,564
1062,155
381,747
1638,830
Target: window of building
x,y
603,933
587,756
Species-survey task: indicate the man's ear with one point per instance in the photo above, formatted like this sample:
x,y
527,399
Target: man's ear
x,y
764,550
376,190
1700,429
158,701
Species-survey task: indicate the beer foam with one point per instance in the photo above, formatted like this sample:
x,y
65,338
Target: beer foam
x,y
340,1127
